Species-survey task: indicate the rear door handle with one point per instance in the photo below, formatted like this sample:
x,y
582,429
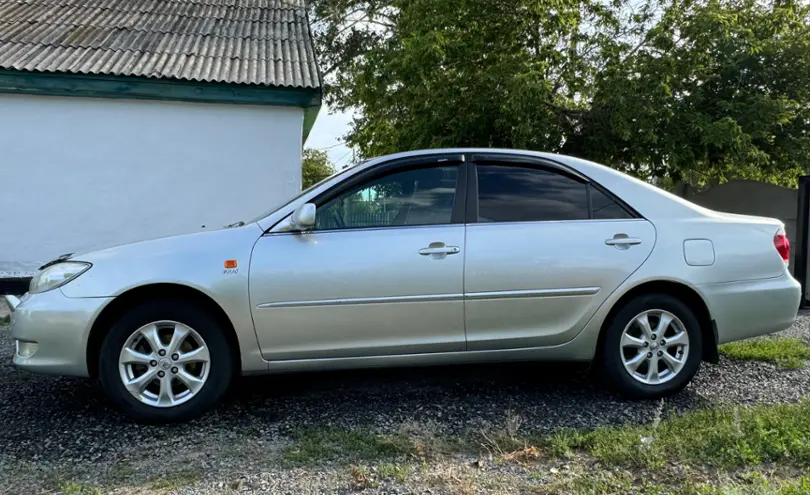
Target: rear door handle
x,y
623,241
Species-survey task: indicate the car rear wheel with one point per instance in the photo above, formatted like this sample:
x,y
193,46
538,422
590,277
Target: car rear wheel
x,y
165,361
652,347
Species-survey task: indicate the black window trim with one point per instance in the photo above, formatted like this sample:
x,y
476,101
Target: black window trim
x,y
509,160
457,215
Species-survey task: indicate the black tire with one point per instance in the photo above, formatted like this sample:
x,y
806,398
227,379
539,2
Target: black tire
x,y
611,356
221,364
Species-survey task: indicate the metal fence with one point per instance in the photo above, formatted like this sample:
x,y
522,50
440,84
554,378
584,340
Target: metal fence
x,y
370,219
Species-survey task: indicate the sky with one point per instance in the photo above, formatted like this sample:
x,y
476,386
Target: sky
x,y
327,134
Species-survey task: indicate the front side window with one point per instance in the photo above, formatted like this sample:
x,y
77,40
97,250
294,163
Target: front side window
x,y
421,196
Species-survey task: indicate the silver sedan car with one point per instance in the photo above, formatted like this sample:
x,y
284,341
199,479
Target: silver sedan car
x,y
421,258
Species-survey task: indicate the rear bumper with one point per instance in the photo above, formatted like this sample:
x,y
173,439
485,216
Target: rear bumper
x,y
56,329
753,307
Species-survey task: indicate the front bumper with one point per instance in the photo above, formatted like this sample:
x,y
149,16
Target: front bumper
x,y
59,327
753,307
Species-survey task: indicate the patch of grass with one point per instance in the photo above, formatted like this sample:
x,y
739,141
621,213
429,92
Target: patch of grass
x,y
120,473
73,488
362,478
5,320
797,487
728,438
396,472
603,482
176,480
789,353
759,484
560,443
457,480
598,483
327,444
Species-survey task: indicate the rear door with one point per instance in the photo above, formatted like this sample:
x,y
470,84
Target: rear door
x,y
545,248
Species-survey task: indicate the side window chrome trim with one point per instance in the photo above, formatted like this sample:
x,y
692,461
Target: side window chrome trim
x,y
368,229
542,222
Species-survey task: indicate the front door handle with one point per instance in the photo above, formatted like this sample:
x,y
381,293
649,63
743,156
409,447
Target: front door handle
x,y
438,250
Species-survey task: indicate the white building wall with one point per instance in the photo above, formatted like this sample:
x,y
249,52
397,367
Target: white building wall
x,y
84,173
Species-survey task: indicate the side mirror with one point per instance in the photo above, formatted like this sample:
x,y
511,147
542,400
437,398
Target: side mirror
x,y
303,218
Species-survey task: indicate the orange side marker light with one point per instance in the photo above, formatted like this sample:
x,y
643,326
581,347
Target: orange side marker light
x,y
230,264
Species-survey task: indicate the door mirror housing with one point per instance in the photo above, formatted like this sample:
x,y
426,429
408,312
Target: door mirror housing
x,y
303,218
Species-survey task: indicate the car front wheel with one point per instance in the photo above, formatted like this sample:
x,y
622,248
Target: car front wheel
x,y
165,361
652,347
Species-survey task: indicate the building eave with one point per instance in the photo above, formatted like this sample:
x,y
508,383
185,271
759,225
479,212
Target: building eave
x,y
145,88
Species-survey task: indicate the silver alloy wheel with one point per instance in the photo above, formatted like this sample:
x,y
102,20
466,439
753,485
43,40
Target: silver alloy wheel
x,y
654,347
164,363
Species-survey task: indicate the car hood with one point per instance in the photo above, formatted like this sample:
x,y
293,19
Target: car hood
x,y
167,246
195,260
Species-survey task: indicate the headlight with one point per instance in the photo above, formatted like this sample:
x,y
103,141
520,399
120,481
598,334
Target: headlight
x,y
57,275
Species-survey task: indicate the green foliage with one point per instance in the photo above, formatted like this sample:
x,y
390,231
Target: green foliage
x,y
729,438
732,437
701,91
616,483
397,472
315,167
798,487
5,320
790,353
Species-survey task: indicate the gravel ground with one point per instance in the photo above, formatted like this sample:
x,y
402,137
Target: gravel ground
x,y
56,429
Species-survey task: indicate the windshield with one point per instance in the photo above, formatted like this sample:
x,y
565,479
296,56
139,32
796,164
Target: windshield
x,y
305,191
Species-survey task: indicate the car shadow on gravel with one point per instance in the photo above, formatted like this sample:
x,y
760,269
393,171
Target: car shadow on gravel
x,y
67,418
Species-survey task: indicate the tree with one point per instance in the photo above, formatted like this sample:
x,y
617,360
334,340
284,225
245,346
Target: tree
x,y
701,90
315,167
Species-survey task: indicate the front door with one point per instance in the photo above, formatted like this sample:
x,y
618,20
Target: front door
x,y
380,274
545,248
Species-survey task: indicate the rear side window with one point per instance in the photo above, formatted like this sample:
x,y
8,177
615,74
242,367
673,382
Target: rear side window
x,y
522,194
604,208
519,194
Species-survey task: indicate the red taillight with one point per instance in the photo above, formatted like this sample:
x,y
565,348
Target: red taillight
x,y
782,245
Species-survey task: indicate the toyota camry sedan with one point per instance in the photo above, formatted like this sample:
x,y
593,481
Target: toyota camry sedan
x,y
420,258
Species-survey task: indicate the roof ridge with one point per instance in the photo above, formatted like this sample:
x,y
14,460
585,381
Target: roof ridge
x,y
144,52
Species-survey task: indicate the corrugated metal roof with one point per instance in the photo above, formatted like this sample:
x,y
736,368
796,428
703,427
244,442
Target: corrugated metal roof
x,y
263,42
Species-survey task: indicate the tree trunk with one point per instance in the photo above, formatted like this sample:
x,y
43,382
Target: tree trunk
x,y
682,188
